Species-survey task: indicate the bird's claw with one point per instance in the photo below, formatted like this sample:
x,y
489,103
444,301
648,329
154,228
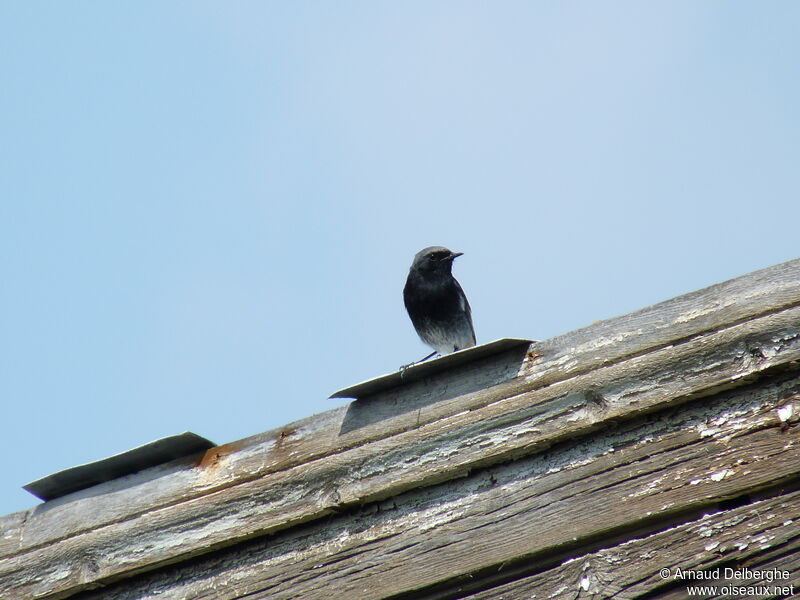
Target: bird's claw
x,y
404,368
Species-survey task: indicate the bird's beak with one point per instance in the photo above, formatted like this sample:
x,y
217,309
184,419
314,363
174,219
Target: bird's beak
x,y
455,255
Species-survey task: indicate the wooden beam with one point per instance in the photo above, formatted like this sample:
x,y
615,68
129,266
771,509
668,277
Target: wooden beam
x,y
583,492
565,388
603,343
633,568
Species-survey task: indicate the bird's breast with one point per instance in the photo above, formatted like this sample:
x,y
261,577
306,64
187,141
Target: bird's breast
x,y
435,300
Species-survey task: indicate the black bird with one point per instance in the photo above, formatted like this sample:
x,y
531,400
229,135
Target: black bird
x,y
436,303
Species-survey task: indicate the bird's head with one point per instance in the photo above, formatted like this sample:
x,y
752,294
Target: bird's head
x,y
434,259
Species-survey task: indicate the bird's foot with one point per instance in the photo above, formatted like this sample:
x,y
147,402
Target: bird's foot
x,y
403,368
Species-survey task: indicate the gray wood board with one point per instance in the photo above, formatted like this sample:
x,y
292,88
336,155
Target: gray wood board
x,y
631,569
511,426
611,371
654,469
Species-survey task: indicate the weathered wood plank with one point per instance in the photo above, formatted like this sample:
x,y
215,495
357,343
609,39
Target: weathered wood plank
x,y
419,561
11,532
605,342
647,470
758,293
242,461
631,568
499,431
709,309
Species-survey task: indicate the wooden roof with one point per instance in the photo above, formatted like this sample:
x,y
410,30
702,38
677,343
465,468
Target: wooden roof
x,y
580,466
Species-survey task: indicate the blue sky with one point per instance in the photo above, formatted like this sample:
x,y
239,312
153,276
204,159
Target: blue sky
x,y
208,209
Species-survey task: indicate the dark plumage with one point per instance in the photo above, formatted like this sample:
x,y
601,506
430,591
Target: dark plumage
x,y
436,303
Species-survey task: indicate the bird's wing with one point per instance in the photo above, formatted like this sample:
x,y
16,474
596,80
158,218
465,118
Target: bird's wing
x,y
462,297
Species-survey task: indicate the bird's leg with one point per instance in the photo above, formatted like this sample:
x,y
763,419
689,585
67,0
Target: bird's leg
x,y
422,360
431,355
